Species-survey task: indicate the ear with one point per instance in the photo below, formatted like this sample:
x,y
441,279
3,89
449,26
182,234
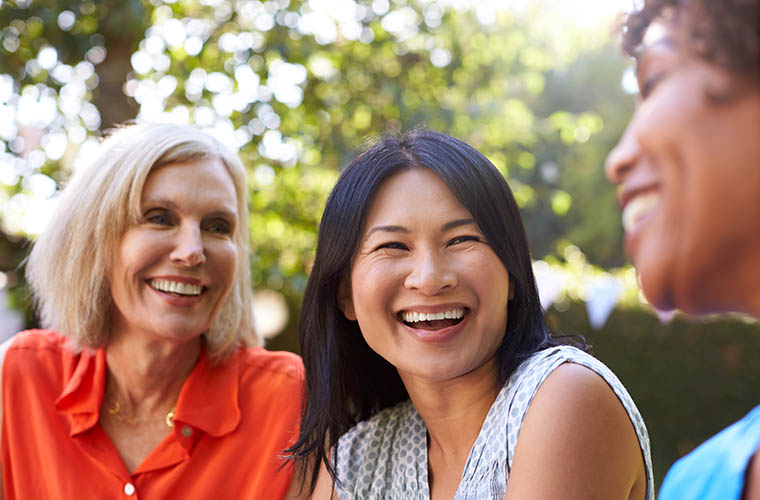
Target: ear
x,y
511,288
345,302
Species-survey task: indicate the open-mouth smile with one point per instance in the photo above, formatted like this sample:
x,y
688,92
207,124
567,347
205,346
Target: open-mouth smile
x,y
638,209
176,288
433,321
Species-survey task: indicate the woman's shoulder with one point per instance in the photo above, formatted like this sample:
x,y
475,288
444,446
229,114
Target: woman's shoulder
x,y
525,382
37,340
541,364
568,374
36,360
533,370
265,362
557,355
35,347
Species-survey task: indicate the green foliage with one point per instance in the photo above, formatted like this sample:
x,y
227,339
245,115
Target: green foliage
x,y
299,103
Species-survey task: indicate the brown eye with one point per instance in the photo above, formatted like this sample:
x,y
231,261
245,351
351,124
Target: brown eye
x,y
649,85
462,239
393,245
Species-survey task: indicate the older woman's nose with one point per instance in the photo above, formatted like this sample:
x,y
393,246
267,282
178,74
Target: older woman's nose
x,y
188,248
430,274
623,157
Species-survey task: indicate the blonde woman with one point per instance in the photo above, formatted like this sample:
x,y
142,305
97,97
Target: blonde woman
x,y
149,381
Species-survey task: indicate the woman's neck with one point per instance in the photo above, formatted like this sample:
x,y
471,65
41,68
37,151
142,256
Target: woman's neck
x,y
145,376
454,410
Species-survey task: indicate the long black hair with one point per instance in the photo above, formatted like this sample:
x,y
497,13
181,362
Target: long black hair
x,y
346,381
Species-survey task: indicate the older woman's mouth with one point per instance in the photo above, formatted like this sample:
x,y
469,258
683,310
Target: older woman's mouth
x,y
175,287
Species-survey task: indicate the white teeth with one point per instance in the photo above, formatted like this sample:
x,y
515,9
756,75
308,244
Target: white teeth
x,y
415,317
639,207
176,287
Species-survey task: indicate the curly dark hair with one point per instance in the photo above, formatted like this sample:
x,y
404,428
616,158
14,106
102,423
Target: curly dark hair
x,y
723,32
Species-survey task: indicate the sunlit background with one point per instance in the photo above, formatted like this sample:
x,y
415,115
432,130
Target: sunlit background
x,y
297,87
49,123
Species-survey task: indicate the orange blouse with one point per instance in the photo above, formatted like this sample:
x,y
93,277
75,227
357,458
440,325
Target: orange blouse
x,y
231,423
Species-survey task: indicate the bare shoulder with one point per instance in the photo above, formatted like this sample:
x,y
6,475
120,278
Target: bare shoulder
x,y
577,442
575,386
273,362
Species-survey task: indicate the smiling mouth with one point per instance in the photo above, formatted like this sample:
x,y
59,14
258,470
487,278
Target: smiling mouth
x,y
638,209
176,288
432,321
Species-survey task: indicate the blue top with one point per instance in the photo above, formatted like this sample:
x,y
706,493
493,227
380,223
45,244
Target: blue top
x,y
716,469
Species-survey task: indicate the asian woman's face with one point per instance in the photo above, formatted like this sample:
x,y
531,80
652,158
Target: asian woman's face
x,y
427,289
688,167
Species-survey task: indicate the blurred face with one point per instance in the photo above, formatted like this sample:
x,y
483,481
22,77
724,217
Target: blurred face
x,y
688,167
173,270
429,293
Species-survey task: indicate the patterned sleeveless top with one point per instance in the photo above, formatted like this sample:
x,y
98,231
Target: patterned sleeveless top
x,y
385,457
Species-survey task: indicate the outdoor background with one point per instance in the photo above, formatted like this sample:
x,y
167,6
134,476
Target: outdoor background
x,y
297,87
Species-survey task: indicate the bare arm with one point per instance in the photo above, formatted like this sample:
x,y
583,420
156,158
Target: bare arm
x,y
577,443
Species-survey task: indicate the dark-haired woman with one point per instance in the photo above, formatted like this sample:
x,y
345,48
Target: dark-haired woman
x,y
688,167
430,370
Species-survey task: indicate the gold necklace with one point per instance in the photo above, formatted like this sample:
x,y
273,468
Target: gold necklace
x,y
170,418
115,408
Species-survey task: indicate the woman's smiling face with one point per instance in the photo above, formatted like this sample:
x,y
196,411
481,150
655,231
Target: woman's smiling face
x,y
173,270
428,292
688,167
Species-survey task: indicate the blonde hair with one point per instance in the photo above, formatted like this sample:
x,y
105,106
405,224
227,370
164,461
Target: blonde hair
x,y
68,263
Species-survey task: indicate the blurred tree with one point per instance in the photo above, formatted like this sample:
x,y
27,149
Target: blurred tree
x,y
299,86
56,48
569,161
44,42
